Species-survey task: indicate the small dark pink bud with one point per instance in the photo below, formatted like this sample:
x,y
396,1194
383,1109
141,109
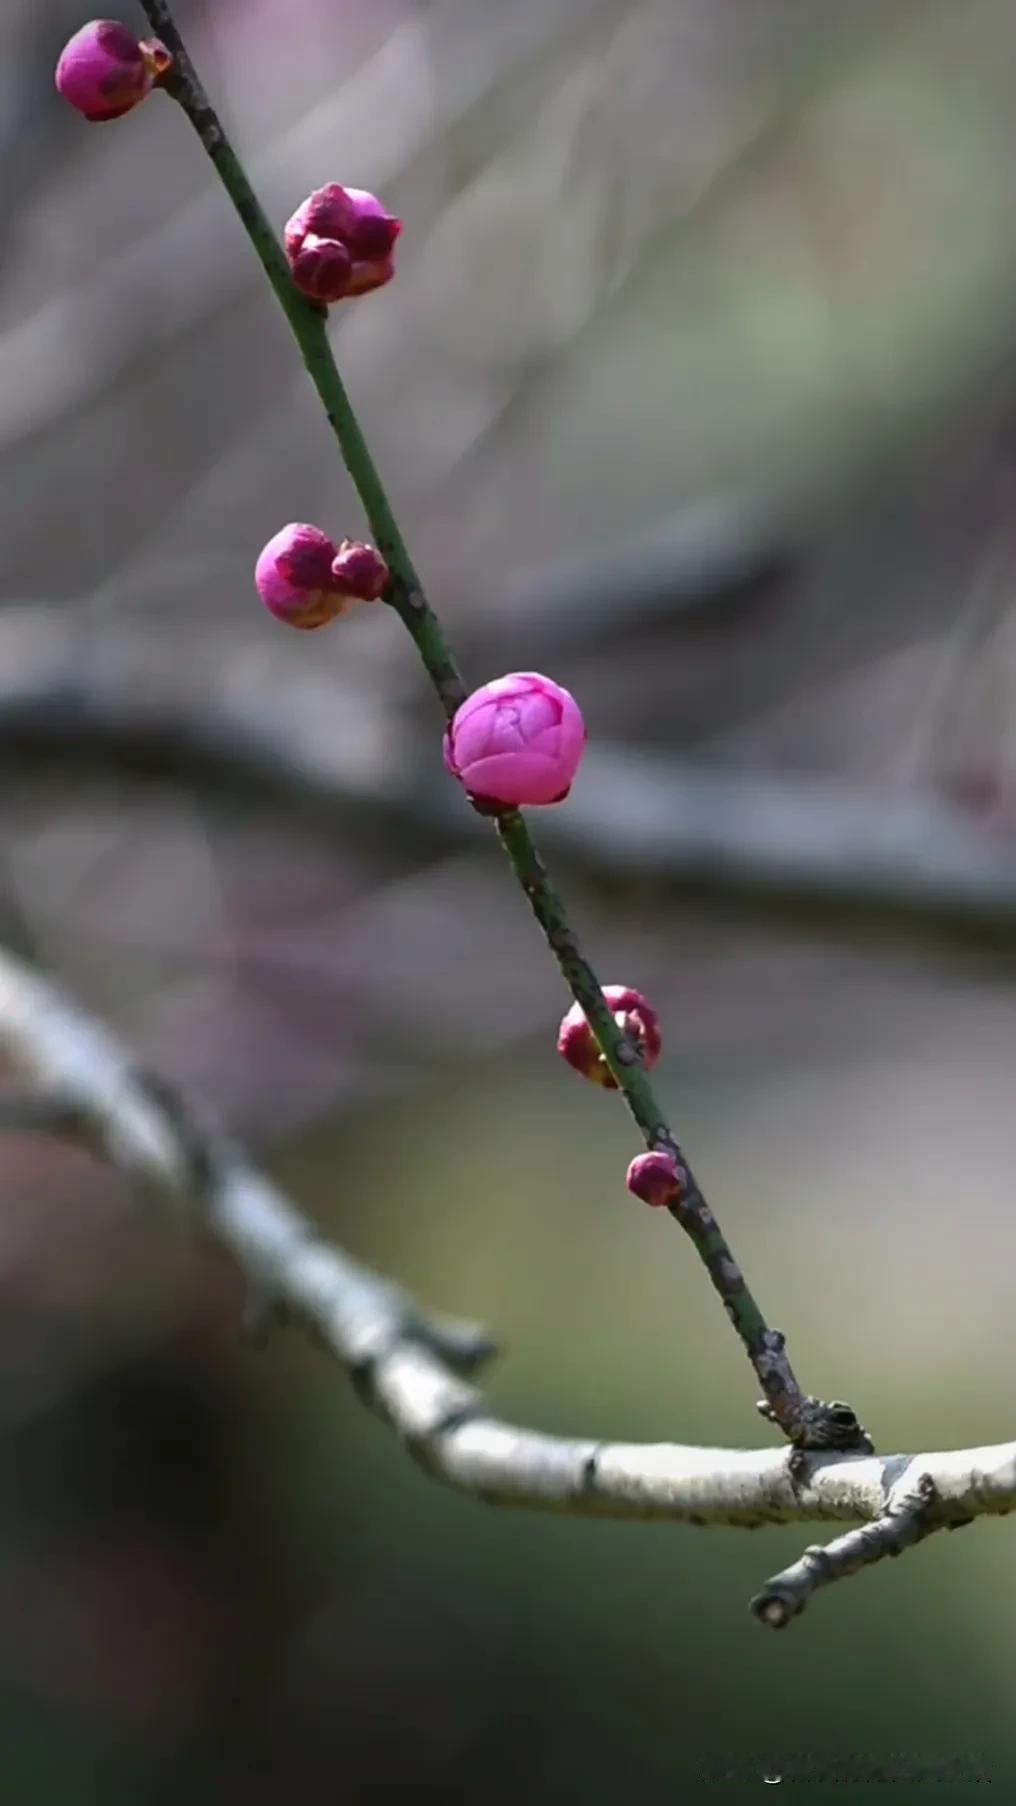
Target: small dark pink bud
x,y
654,1178
354,219
294,577
104,70
359,571
636,1018
322,269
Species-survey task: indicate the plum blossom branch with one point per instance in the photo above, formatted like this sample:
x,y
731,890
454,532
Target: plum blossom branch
x,y
408,1366
807,1422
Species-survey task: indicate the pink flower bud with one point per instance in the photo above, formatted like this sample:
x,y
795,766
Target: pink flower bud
x,y
516,740
353,220
654,1178
635,1018
294,577
322,269
304,580
104,70
356,218
359,571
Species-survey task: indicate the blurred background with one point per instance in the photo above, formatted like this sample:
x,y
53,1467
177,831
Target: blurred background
x,y
696,389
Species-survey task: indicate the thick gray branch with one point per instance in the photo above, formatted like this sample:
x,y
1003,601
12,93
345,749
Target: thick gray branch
x,y
408,1366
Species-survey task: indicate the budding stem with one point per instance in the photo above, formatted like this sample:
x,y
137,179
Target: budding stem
x,y
804,1420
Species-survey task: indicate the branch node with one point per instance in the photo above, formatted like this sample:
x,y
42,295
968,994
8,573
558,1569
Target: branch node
x,y
816,1425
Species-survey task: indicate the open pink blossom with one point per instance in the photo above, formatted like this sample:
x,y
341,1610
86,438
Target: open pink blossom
x,y
516,740
654,1178
350,221
104,70
636,1019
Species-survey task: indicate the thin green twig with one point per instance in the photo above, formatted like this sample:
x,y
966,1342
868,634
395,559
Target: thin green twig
x,y
807,1422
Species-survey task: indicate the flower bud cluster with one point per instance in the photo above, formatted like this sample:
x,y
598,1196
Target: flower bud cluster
x,y
340,242
305,580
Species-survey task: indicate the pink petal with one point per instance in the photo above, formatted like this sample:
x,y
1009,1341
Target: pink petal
x,y
513,778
